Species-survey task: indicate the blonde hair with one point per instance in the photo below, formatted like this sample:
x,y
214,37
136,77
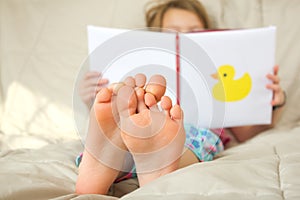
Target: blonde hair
x,y
155,11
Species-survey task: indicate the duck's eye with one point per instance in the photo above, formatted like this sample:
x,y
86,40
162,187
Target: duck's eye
x,y
225,75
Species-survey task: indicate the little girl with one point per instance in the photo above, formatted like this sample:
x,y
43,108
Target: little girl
x,y
151,159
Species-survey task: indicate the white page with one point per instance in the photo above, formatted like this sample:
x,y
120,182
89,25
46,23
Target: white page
x,y
250,51
119,53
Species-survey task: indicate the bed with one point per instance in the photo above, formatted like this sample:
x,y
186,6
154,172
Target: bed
x,y
42,46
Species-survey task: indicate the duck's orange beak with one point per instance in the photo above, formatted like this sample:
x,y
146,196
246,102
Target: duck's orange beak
x,y
215,76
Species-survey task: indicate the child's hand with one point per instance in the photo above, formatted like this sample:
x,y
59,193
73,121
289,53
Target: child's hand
x,y
90,86
278,93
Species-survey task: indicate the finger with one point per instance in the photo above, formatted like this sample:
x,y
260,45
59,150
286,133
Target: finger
x,y
92,74
88,90
278,98
275,69
274,87
93,81
103,81
274,78
88,98
91,92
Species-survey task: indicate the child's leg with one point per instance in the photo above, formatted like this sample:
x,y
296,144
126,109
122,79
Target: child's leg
x,y
202,145
104,149
155,138
187,158
95,175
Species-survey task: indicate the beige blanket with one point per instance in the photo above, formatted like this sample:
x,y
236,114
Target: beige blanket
x,y
266,167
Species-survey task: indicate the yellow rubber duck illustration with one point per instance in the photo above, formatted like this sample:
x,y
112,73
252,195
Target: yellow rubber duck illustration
x,y
228,89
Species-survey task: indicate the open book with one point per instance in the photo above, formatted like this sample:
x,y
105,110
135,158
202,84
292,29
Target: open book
x,y
218,77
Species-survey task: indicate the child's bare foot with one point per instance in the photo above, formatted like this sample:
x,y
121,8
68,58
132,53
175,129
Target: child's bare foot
x,y
155,138
104,149
99,166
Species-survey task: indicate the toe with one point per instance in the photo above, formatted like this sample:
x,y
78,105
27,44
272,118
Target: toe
x,y
150,100
104,95
157,87
176,113
129,81
140,97
126,101
166,104
140,80
115,87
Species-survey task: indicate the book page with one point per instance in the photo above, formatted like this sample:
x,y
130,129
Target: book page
x,y
244,57
119,53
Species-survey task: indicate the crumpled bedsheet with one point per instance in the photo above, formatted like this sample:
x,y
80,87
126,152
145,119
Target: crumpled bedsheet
x,y
266,167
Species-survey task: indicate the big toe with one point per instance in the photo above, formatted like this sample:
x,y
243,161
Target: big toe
x,y
126,101
103,96
155,89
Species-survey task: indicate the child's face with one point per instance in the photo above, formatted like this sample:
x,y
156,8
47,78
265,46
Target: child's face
x,y
181,21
